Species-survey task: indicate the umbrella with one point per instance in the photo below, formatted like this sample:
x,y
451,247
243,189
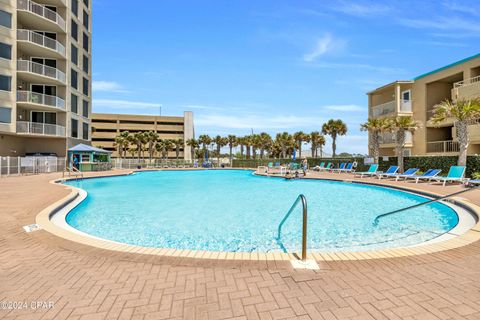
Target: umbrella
x,y
294,154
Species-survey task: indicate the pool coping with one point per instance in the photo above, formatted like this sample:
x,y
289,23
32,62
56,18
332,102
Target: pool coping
x,y
43,219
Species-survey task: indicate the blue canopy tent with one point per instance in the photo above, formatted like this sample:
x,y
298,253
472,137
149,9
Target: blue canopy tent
x,y
88,158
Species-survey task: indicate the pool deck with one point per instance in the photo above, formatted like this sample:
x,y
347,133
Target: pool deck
x,y
85,282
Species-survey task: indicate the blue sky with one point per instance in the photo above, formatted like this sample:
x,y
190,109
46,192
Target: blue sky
x,y
269,65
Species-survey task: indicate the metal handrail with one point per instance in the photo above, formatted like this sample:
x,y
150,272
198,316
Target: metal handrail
x,y
73,170
377,218
301,198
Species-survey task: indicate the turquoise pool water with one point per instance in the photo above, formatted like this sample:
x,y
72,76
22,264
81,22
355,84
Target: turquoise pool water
x,y
235,211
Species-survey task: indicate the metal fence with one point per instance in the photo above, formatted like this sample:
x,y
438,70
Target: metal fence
x,y
30,165
146,163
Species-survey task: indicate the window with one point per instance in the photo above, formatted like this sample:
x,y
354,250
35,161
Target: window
x,y
5,115
85,131
75,7
44,117
44,89
74,103
85,19
85,64
85,86
74,55
5,19
85,109
5,83
5,51
74,79
85,158
46,62
85,41
74,128
85,2
74,30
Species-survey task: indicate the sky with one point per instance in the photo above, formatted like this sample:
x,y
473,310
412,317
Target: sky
x,y
270,65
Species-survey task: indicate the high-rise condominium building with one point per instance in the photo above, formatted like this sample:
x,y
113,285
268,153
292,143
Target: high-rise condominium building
x,y
45,76
418,97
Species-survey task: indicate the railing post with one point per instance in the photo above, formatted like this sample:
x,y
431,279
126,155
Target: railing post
x,y
18,164
304,231
8,166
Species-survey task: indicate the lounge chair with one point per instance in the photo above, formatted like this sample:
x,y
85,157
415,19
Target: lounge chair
x,y
318,167
456,173
341,167
410,172
371,171
390,171
327,167
428,175
348,168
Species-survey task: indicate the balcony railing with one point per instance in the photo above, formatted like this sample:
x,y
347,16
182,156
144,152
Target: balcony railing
x,y
33,37
466,82
384,109
443,146
42,11
43,70
26,127
406,106
390,137
38,98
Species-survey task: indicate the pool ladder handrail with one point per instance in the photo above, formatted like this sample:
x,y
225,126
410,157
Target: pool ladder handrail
x,y
300,198
377,218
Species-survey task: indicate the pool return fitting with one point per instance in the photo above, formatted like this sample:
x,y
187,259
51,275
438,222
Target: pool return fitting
x,y
302,263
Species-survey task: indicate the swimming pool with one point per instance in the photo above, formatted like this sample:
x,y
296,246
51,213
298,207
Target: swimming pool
x,y
233,210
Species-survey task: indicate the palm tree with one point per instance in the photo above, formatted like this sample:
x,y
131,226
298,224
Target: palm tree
x,y
314,136
247,142
334,128
320,143
139,140
219,142
285,141
299,138
400,125
193,144
241,143
151,137
122,141
375,127
462,112
265,143
177,143
163,146
232,143
255,141
205,141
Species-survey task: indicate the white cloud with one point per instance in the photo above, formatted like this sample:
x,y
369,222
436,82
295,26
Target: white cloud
x,y
202,107
124,104
330,65
365,9
107,86
443,23
324,45
279,122
346,108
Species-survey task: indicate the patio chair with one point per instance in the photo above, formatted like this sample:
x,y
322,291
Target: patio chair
x,y
341,167
370,172
427,175
410,172
391,170
456,173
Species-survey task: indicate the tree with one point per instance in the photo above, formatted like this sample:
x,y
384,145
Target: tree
x,y
193,144
265,143
300,137
334,128
462,112
375,127
400,125
247,142
219,142
178,143
151,137
205,141
241,143
232,143
122,141
163,146
314,137
285,141
139,140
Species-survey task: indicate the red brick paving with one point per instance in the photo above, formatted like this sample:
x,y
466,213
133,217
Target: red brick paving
x,y
89,283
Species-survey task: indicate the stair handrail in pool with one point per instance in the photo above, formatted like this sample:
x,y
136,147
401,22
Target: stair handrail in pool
x,y
301,198
377,218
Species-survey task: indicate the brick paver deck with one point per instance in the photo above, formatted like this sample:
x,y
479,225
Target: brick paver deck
x,y
88,283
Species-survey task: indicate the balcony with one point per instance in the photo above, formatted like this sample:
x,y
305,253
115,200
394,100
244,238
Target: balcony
x,y
40,101
38,45
448,146
406,106
466,89
38,17
38,73
384,109
388,139
42,129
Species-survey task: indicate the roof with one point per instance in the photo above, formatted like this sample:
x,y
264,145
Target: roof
x,y
390,84
448,66
85,148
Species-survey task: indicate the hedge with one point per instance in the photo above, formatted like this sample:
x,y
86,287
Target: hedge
x,y
422,162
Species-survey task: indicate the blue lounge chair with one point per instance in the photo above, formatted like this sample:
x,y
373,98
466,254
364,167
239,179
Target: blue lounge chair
x,y
348,168
456,173
341,167
371,171
427,175
410,172
391,170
